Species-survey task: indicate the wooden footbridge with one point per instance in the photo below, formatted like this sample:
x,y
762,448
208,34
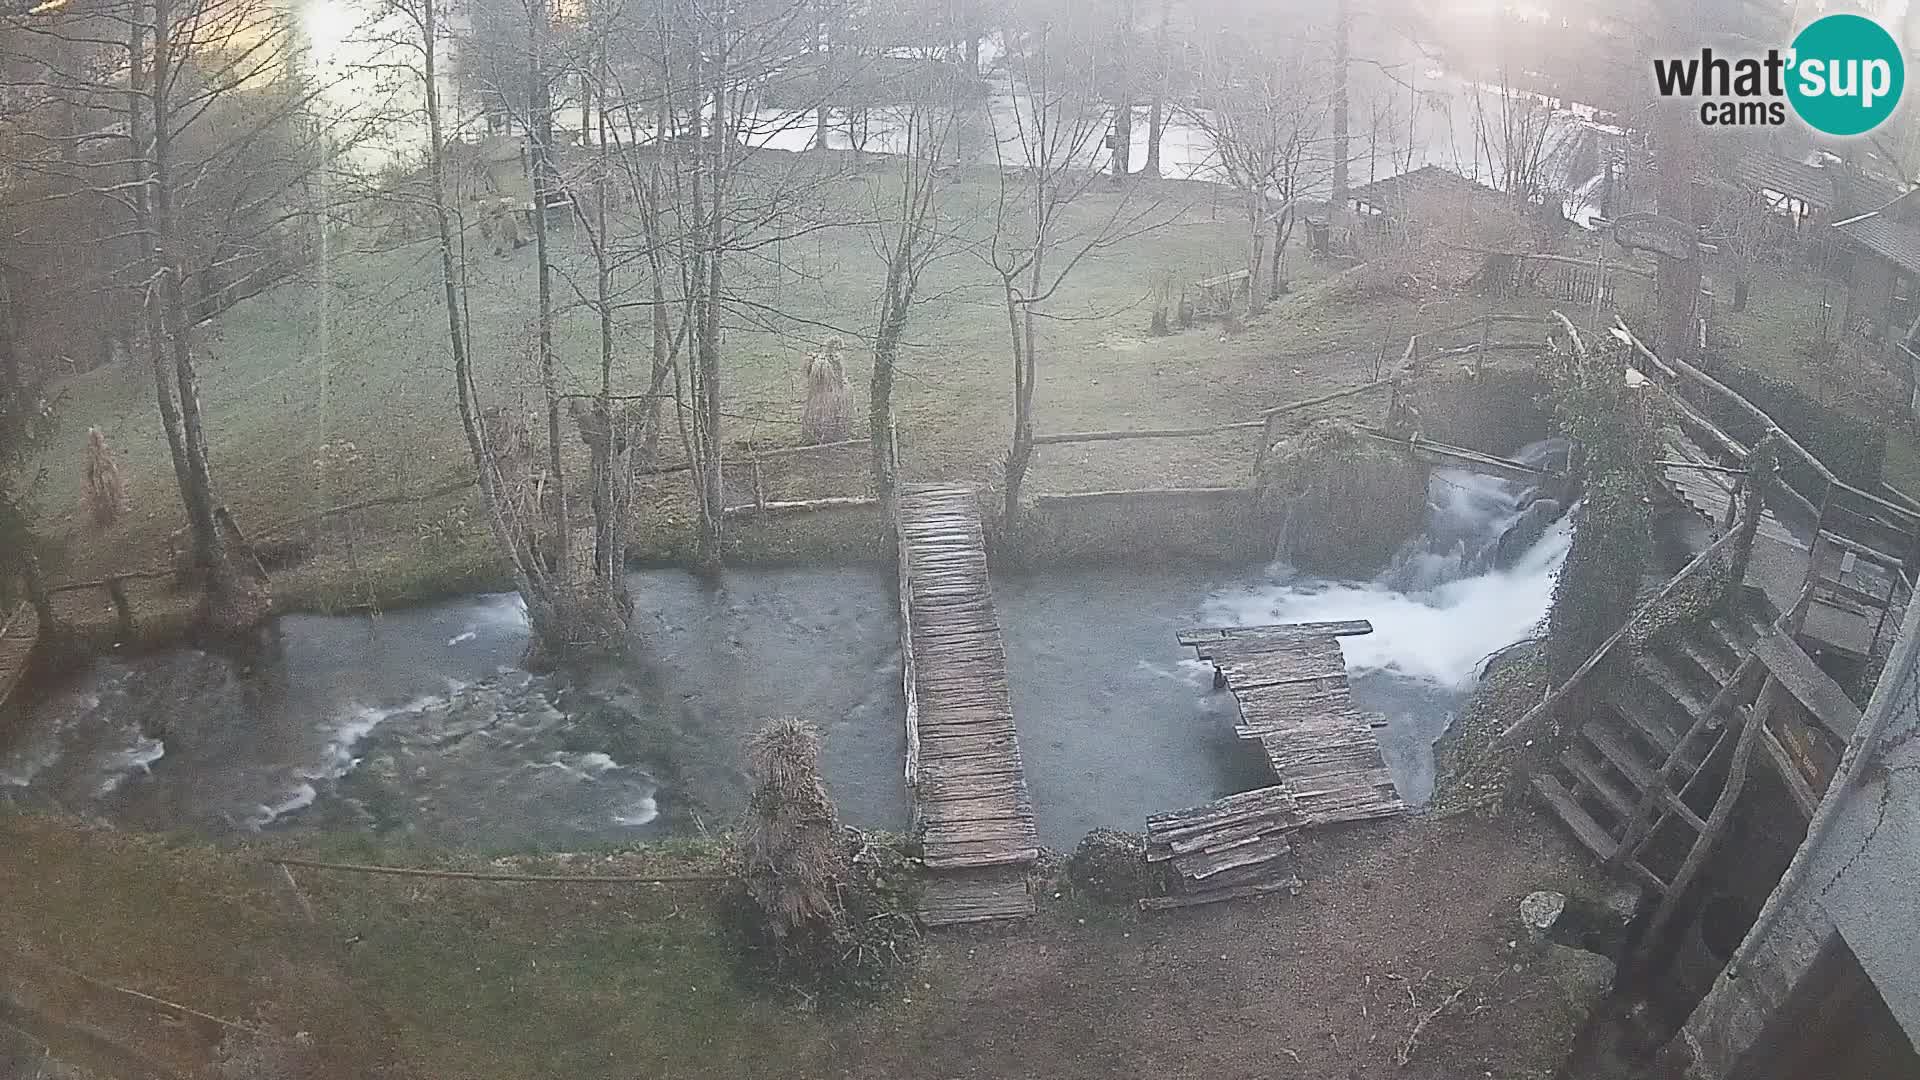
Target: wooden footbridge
x,y
1290,681
970,803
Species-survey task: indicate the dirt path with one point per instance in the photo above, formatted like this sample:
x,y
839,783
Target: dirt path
x,y
1393,920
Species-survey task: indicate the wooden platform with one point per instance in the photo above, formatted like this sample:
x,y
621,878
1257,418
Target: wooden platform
x,y
1230,849
971,807
1291,685
18,636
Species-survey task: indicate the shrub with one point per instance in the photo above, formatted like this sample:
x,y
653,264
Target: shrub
x,y
1111,866
1338,502
1852,445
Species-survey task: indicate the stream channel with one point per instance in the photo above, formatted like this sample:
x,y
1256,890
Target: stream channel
x,y
416,724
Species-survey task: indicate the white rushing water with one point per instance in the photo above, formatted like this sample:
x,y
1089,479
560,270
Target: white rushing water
x,y
1442,609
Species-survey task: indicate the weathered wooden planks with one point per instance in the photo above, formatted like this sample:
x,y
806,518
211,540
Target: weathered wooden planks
x,y
18,636
971,805
954,899
1808,684
1230,848
1291,685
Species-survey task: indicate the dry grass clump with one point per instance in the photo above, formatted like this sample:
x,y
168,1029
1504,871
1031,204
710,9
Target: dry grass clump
x,y
828,414
106,490
792,860
1110,866
817,909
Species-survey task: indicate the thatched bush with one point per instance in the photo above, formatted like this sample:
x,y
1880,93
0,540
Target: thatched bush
x,y
1111,866
817,908
828,414
1337,502
106,491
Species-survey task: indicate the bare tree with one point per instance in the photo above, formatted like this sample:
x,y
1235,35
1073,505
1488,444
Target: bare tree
x,y
911,240
1048,161
194,132
1259,103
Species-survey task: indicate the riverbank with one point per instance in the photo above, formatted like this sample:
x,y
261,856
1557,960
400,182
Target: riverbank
x,y
475,980
333,390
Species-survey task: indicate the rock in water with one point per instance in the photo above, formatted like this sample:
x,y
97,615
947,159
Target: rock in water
x,y
1525,532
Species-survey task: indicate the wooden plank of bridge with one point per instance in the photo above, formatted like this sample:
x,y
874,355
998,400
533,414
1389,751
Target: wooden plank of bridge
x,y
18,636
1291,685
970,789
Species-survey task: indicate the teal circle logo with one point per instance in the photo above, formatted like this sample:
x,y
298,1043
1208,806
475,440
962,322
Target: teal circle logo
x,y
1846,75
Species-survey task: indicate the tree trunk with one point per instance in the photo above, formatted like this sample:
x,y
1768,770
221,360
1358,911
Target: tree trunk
x,y
503,534
1677,280
1156,110
880,409
197,493
1020,320
1342,31
1282,230
137,128
1256,248
707,277
540,139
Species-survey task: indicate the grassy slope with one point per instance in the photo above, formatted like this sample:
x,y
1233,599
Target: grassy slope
x,y
407,978
358,357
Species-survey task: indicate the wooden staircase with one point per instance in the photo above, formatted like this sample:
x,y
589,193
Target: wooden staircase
x,y
1653,712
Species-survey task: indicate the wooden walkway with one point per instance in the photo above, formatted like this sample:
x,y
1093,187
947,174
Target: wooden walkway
x,y
971,807
1850,611
1290,681
1291,684
18,636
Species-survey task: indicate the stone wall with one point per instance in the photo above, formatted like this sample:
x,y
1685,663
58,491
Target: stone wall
x,y
1208,525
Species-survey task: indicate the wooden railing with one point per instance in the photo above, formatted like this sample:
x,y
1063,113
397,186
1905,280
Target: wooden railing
x,y
1858,517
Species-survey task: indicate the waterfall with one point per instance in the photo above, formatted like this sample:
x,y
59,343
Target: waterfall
x,y
1452,597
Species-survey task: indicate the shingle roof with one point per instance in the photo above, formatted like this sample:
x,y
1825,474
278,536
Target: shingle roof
x,y
1425,183
1796,179
1837,189
1884,234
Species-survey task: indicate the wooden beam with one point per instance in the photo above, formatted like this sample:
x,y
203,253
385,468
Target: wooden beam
x,y
1796,671
1341,628
1716,821
801,506
1127,493
1142,433
1804,797
1294,406
1434,453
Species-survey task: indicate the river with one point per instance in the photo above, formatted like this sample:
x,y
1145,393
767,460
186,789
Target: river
x,y
416,724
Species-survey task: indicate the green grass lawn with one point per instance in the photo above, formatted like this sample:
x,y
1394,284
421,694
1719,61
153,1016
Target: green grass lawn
x,y
337,388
